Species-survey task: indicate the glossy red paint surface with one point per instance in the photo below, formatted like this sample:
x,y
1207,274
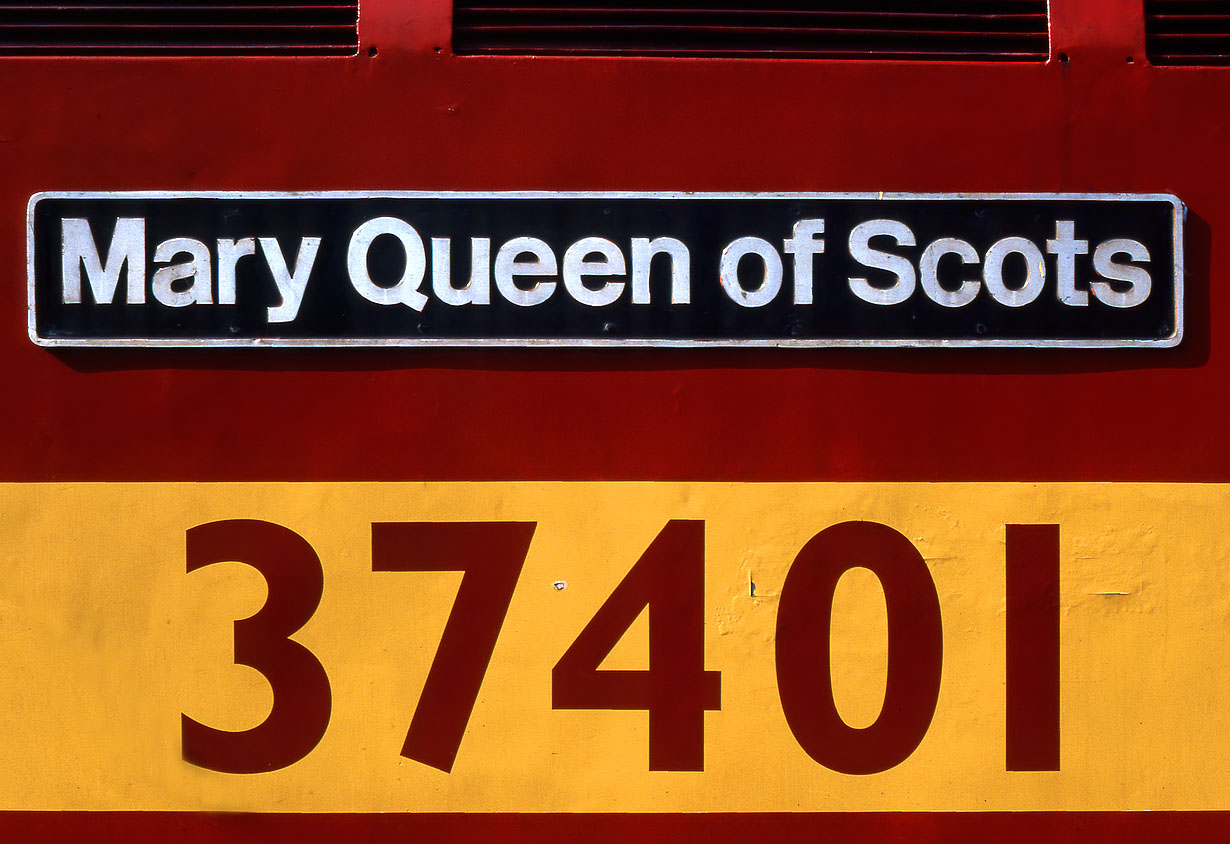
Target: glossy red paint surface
x,y
416,117
717,828
406,114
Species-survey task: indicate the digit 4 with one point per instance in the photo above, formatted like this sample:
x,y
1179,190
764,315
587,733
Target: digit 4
x,y
669,579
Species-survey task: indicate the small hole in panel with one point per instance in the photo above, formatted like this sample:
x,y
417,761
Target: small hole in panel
x,y
372,52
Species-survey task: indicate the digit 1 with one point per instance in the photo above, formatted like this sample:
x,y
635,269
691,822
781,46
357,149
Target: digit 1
x,y
915,648
1032,642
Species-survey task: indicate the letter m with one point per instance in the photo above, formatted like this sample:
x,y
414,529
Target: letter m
x,y
127,247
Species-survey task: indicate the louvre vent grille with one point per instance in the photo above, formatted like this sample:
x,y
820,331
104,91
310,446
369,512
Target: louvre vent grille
x,y
1187,32
928,30
199,28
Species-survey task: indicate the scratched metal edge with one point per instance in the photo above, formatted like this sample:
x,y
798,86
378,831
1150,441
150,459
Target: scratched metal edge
x,y
714,828
1168,342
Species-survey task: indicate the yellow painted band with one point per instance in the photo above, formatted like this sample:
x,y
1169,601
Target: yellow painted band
x,y
105,640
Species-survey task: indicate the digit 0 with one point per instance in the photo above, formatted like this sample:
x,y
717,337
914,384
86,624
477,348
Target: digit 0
x,y
915,648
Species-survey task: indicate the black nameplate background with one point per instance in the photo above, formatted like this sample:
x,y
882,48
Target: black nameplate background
x,y
333,312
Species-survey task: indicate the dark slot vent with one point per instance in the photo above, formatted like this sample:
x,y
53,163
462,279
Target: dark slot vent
x,y
194,28
928,30
1187,32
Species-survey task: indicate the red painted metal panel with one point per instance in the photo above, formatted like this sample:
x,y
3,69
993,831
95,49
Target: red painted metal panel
x,y
716,828
406,113
414,116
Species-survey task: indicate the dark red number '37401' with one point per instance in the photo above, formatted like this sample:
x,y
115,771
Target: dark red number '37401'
x,y
676,690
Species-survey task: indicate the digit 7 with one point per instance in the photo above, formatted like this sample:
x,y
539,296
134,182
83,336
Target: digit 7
x,y
491,554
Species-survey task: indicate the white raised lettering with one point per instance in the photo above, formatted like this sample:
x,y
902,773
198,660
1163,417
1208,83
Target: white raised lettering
x,y
477,291
901,268
291,283
734,252
804,246
406,290
229,253
576,268
507,267
928,271
1137,277
199,291
77,247
1065,247
993,271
